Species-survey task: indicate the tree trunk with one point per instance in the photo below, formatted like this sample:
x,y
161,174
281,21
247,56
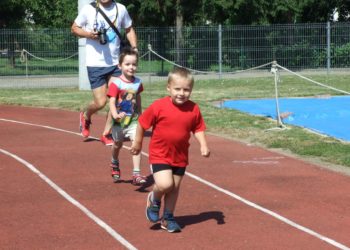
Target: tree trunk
x,y
179,37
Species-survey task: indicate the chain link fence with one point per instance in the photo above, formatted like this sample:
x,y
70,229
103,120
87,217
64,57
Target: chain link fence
x,y
49,58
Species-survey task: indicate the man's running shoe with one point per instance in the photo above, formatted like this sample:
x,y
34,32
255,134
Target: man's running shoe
x,y
152,209
84,125
168,223
107,140
138,179
115,172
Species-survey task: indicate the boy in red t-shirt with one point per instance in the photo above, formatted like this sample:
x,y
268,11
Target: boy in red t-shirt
x,y
173,119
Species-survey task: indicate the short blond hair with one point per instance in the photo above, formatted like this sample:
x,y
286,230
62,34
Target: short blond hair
x,y
182,72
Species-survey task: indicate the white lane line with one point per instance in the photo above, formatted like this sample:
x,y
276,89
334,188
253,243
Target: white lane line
x,y
256,162
237,197
69,198
271,213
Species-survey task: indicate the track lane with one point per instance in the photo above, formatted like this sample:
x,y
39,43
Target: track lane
x,y
201,213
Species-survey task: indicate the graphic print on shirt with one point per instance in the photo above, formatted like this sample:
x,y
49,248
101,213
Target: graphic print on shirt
x,y
126,99
127,104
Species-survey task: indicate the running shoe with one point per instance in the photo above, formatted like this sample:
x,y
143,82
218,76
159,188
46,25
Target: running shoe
x,y
152,209
138,179
84,125
115,172
107,140
169,224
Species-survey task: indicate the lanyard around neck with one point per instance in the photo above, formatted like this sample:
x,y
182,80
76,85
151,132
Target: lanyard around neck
x,y
97,7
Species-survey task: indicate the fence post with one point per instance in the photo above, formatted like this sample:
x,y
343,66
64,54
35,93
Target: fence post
x,y
328,47
220,50
26,60
149,59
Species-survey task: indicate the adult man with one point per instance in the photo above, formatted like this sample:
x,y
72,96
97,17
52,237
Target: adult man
x,y
102,59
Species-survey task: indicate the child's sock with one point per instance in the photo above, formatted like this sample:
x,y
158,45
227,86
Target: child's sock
x,y
135,172
154,201
115,161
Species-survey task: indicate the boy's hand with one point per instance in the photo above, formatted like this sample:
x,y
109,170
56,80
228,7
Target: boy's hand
x,y
119,115
135,148
205,151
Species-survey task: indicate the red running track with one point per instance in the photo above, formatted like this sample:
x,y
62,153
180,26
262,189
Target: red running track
x,y
56,193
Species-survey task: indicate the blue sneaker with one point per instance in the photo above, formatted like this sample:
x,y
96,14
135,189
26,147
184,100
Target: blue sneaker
x,y
152,209
168,223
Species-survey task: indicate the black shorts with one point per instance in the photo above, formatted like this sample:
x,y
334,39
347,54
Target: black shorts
x,y
98,76
176,170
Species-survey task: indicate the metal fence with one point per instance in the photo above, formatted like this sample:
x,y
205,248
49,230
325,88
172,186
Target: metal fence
x,y
28,56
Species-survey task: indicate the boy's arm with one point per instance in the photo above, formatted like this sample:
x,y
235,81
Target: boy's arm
x,y
113,108
200,136
137,143
138,104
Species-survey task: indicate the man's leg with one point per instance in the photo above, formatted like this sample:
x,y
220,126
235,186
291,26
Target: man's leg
x,y
99,101
109,119
106,139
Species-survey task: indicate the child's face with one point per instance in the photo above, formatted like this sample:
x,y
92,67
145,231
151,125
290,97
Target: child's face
x,y
180,90
129,66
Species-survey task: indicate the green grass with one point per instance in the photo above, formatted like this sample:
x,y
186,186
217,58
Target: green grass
x,y
225,122
59,66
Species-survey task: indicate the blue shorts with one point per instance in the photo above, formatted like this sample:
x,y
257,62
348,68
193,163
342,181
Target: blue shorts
x,y
99,76
176,170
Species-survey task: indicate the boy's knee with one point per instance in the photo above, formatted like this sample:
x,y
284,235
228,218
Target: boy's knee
x,y
100,103
166,187
118,144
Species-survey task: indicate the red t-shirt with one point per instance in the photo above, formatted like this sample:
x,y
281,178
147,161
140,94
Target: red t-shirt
x,y
172,126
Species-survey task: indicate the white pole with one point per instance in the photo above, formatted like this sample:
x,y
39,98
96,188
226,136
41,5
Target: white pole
x,y
280,124
83,77
274,71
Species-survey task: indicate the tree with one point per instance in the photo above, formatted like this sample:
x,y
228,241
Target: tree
x,y
316,10
343,9
52,14
12,13
38,13
164,13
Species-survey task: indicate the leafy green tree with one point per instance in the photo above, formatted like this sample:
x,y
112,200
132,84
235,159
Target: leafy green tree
x,y
316,10
165,13
149,13
12,16
38,13
52,14
12,13
343,8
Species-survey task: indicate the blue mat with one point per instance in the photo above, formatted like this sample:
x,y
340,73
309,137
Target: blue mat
x,y
329,116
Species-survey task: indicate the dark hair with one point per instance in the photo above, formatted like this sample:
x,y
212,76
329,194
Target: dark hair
x,y
127,51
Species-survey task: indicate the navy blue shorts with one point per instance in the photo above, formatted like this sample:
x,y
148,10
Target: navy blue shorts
x,y
176,170
99,76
